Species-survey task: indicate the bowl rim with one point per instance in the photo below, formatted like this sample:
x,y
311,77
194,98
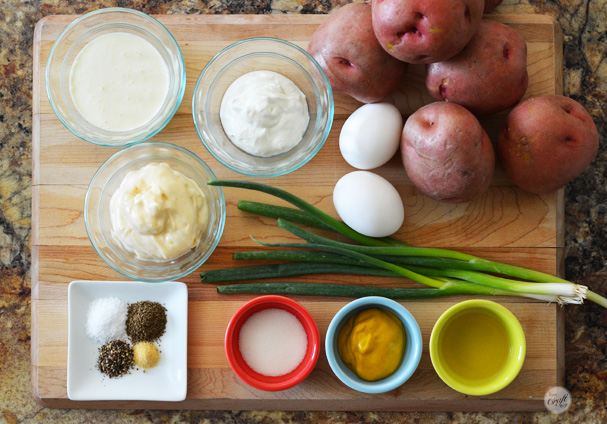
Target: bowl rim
x,y
221,218
330,111
408,365
515,361
48,77
281,382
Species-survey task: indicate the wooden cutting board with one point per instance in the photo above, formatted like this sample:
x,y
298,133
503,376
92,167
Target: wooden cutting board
x,y
505,224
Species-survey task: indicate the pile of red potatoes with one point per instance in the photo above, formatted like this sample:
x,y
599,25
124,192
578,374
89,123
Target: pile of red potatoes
x,y
473,68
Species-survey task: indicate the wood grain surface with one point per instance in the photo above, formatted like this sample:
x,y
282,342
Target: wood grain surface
x,y
505,224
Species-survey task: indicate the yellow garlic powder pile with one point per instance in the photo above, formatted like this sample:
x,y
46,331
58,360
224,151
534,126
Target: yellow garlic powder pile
x,y
146,355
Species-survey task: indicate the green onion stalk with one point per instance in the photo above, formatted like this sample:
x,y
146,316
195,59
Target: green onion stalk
x,y
563,293
345,290
444,271
326,219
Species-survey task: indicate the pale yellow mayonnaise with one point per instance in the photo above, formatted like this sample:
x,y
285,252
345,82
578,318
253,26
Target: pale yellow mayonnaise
x,y
158,213
119,81
264,113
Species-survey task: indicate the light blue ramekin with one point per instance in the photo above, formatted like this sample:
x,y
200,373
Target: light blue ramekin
x,y
411,357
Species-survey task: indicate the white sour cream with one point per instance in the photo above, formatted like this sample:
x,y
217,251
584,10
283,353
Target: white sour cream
x,y
264,113
119,81
158,213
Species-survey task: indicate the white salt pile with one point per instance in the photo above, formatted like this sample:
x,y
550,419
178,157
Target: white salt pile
x,y
106,319
273,342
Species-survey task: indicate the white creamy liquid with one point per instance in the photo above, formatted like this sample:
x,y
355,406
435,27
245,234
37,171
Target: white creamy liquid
x,y
119,81
158,213
264,113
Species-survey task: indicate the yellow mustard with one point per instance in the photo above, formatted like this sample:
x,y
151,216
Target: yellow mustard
x,y
372,343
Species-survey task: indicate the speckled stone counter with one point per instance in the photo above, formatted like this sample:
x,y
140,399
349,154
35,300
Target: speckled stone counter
x,y
584,25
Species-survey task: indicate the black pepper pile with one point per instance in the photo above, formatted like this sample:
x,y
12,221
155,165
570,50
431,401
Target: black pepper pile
x,y
146,321
115,358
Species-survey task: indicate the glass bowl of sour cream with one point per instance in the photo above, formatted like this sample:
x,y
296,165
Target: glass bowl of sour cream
x,y
115,77
263,107
150,215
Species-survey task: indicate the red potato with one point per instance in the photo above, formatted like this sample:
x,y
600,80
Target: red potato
x,y
347,50
489,75
491,4
425,31
546,142
446,153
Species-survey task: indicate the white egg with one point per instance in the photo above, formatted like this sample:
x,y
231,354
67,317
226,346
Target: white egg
x,y
368,204
371,135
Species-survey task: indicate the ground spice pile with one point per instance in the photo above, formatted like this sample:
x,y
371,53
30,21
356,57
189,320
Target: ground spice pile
x,y
115,358
146,355
146,321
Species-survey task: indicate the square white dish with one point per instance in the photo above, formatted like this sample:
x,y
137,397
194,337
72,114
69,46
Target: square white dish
x,y
167,381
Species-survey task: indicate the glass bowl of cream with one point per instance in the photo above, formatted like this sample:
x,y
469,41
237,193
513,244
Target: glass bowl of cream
x,y
115,77
263,107
150,215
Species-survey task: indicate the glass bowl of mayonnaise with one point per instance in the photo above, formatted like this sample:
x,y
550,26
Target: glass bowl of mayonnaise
x,y
150,214
115,77
263,107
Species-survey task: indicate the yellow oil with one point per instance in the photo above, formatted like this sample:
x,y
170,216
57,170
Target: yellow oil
x,y
475,346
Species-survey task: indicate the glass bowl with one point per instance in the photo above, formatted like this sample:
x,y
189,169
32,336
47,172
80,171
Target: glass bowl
x,y
244,371
256,54
84,30
97,211
411,356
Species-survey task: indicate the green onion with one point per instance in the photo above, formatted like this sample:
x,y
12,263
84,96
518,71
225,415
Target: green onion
x,y
596,298
318,262
296,216
294,255
437,268
564,292
326,219
475,262
435,257
288,270
378,250
292,215
345,290
364,258
327,257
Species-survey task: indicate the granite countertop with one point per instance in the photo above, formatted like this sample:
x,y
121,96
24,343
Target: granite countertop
x,y
584,25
